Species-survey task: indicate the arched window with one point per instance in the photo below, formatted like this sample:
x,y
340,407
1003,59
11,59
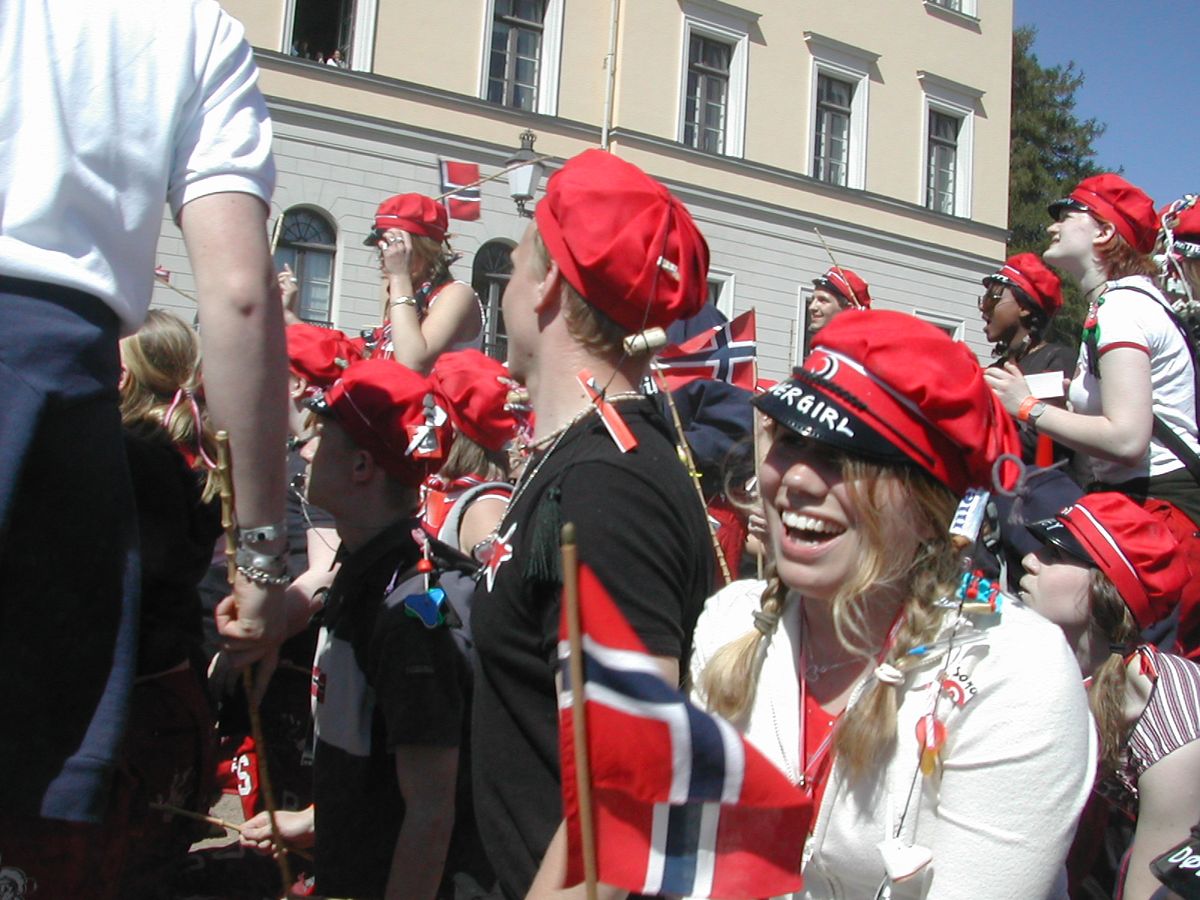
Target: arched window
x,y
308,243
489,275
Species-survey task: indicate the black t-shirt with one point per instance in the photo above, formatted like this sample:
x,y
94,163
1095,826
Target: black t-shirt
x,y
641,528
1050,357
382,680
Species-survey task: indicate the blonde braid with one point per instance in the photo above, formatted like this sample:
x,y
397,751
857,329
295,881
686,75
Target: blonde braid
x,y
730,679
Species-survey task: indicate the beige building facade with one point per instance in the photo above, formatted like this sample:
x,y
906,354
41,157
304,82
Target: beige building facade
x,y
882,124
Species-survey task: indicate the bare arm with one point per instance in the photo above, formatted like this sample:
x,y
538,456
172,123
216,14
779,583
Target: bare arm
x,y
417,342
481,519
245,378
303,594
426,776
547,883
1121,433
1168,806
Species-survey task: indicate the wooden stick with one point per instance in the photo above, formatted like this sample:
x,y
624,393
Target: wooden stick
x,y
689,462
275,232
583,778
220,823
225,483
199,817
478,181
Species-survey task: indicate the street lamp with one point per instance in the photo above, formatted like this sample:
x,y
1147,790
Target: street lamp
x,y
524,178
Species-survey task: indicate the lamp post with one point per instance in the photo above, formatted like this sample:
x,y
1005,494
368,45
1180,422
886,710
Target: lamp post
x,y
523,180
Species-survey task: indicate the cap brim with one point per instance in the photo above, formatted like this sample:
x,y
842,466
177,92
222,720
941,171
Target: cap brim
x,y
1056,534
825,284
803,407
373,239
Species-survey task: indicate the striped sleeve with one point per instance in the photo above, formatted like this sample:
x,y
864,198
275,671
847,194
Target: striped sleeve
x,y
1172,717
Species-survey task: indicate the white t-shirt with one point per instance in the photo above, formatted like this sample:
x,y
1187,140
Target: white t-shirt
x,y
1128,318
110,108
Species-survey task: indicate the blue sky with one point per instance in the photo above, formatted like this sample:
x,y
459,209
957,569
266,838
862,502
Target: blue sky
x,y
1141,59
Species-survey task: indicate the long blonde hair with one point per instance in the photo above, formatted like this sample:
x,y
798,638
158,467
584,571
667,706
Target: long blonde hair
x,y
1116,625
866,732
159,385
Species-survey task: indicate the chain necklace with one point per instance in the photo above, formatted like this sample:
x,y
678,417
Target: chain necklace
x,y
555,438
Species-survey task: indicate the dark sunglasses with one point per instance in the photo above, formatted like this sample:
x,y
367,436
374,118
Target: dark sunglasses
x,y
1060,209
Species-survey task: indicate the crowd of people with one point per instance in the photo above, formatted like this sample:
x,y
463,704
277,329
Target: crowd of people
x,y
957,606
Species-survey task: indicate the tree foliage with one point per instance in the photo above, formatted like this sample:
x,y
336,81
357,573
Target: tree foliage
x,y
1051,151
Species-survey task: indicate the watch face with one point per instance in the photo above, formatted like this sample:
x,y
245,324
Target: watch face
x,y
1036,410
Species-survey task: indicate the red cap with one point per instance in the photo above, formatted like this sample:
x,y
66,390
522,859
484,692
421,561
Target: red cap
x,y
414,213
1034,279
847,285
474,390
391,412
1182,217
621,240
319,355
1115,200
1136,551
860,391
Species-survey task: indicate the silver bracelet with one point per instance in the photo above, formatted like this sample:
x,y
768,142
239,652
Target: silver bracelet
x,y
262,578
402,301
262,534
271,563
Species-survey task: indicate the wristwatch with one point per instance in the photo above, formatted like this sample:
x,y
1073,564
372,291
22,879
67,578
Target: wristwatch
x,y
1034,411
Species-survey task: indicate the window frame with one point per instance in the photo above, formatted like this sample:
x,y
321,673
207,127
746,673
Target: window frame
x,y
955,328
304,247
360,55
704,23
834,59
967,8
950,98
549,66
728,282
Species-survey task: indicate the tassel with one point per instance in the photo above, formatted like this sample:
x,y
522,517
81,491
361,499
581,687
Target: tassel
x,y
545,545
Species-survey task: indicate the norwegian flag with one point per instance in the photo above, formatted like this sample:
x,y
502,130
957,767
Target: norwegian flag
x,y
727,352
462,192
682,805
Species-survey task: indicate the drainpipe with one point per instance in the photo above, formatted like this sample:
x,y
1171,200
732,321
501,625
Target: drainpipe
x,y
610,63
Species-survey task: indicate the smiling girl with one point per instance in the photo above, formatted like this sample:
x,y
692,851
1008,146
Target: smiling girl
x,y
946,743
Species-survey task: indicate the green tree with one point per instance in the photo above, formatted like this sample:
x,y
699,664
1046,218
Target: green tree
x,y
1051,151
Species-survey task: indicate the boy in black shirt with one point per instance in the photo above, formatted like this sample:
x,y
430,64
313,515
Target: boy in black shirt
x,y
389,686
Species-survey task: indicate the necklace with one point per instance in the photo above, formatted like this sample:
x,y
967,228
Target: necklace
x,y
813,671
554,438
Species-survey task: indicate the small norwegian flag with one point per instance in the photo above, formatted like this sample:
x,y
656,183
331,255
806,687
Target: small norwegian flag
x,y
681,804
162,274
727,352
459,183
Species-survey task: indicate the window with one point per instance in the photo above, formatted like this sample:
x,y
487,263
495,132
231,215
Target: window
x,y
489,276
707,94
947,135
963,8
308,243
831,143
953,327
942,159
841,77
720,290
314,29
516,53
712,102
521,58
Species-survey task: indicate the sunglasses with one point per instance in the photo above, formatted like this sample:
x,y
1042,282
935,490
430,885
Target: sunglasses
x,y
1064,208
991,298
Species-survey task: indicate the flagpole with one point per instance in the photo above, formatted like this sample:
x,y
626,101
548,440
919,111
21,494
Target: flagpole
x,y
689,462
583,778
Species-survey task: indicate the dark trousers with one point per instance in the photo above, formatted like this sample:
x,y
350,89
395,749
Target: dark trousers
x,y
69,575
